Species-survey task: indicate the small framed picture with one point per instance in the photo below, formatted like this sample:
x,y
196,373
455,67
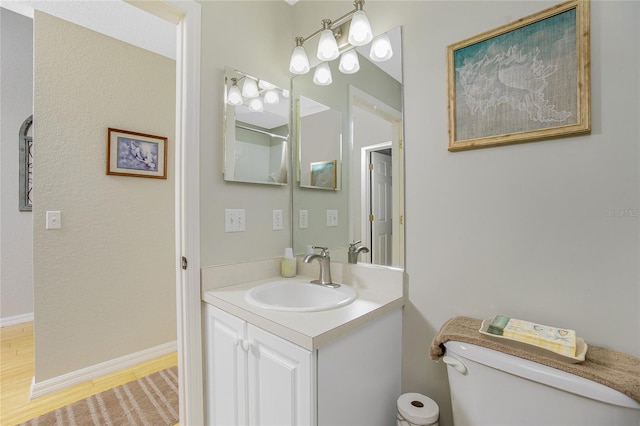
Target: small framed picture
x,y
136,154
323,174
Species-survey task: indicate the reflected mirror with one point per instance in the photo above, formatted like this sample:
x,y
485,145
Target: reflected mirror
x,y
256,130
368,210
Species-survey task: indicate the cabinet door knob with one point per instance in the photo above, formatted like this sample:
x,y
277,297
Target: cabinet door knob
x,y
245,345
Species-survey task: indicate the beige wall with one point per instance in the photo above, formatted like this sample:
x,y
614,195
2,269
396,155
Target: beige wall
x,y
105,282
519,230
253,37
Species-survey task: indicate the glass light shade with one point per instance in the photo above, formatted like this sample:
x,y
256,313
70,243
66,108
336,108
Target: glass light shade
x,y
265,85
234,97
360,29
327,46
249,88
271,96
381,48
256,105
299,62
285,93
322,76
349,63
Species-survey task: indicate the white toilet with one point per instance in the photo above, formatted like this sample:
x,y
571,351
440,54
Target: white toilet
x,y
415,409
492,388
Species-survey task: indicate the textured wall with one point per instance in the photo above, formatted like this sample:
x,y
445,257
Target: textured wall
x,y
105,282
16,81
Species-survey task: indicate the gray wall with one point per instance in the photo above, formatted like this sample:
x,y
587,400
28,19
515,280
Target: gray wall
x,y
259,49
16,81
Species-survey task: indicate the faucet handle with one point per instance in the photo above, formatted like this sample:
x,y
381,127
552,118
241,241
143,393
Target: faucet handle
x,y
352,246
324,251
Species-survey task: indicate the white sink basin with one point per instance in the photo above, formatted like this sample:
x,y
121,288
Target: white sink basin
x,y
296,295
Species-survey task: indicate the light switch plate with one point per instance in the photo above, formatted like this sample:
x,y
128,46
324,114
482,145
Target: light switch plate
x,y
277,220
303,219
54,220
332,217
234,220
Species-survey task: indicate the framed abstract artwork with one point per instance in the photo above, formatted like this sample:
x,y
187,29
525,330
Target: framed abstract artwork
x,y
136,154
524,81
323,174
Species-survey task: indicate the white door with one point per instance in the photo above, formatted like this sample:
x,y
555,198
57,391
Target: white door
x,y
381,214
226,366
280,381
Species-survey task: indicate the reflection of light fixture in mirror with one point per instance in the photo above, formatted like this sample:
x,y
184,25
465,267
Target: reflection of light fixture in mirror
x,y
349,63
327,46
250,88
234,97
256,105
322,76
271,96
360,30
381,48
299,62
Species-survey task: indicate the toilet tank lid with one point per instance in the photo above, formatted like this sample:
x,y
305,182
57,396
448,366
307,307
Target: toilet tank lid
x,y
540,373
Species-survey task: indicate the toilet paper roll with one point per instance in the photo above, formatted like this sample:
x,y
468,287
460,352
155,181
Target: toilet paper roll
x,y
418,409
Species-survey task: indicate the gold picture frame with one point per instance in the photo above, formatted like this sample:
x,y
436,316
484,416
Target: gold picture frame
x,y
524,81
323,174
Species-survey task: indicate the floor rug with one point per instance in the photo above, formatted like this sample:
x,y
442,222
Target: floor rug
x,y
151,400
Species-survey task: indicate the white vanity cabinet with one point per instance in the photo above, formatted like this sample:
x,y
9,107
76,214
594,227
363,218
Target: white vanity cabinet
x,y
254,377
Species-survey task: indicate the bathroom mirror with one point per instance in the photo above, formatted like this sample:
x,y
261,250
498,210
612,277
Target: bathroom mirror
x,y
320,161
369,206
256,130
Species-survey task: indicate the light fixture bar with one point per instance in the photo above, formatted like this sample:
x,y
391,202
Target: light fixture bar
x,y
358,4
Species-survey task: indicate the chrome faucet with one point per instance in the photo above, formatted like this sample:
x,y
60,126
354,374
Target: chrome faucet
x,y
354,252
325,266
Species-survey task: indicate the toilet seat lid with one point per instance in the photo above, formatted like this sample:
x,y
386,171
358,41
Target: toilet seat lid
x,y
418,409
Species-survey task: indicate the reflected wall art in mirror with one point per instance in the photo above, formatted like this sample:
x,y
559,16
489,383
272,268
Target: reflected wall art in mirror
x,y
256,130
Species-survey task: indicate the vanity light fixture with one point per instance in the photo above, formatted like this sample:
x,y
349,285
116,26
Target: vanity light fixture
x,y
333,41
255,93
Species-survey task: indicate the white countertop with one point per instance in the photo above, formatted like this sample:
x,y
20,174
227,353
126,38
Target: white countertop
x,y
310,330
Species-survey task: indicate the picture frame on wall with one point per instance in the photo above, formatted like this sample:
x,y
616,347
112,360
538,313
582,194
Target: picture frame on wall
x,y
323,174
136,154
521,82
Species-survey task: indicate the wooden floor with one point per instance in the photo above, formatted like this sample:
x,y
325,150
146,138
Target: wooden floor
x,y
16,373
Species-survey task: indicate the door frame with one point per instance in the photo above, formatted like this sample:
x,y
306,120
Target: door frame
x,y
186,15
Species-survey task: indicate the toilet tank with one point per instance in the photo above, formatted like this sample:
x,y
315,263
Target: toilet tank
x,y
493,388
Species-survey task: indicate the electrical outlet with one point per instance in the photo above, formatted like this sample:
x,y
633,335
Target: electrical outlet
x,y
234,220
332,217
54,220
303,219
277,220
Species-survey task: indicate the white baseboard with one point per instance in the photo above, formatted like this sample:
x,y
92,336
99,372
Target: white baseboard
x,y
16,319
89,373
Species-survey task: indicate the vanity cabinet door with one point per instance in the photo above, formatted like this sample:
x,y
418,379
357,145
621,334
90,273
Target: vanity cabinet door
x,y
281,381
226,367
